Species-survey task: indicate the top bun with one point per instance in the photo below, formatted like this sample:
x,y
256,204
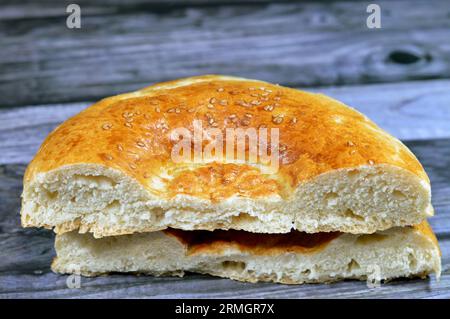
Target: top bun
x,y
111,169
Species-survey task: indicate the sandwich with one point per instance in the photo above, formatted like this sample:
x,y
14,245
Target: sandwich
x,y
235,178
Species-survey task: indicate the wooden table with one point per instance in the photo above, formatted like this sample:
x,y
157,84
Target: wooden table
x,y
397,75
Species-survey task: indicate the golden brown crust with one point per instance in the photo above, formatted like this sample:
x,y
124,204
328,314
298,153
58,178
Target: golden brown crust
x,y
130,133
219,181
425,229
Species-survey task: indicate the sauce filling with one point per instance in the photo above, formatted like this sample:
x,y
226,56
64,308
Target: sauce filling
x,y
203,241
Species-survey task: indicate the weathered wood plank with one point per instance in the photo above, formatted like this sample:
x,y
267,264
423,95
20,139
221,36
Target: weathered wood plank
x,y
302,44
25,256
29,9
26,9
410,111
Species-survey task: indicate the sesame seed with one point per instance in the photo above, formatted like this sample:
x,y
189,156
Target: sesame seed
x,y
106,126
146,175
171,110
371,162
210,120
265,94
136,156
127,124
248,115
234,92
293,120
350,143
242,103
212,100
251,88
232,116
268,108
108,157
177,110
129,119
140,144
277,119
277,98
191,110
210,106
120,147
223,102
220,90
255,102
157,109
133,166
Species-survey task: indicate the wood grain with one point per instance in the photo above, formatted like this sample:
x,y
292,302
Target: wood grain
x,y
25,256
27,9
300,44
410,111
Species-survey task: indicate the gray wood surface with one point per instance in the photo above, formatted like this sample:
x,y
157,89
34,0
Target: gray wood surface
x,y
299,44
25,256
410,111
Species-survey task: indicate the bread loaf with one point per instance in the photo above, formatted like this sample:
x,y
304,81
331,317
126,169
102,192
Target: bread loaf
x,y
110,171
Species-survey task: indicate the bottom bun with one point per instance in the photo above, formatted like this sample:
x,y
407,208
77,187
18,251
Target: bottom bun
x,y
293,258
